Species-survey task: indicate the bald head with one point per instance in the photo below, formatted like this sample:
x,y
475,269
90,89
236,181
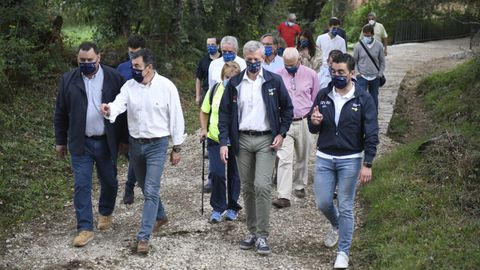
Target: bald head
x,y
291,54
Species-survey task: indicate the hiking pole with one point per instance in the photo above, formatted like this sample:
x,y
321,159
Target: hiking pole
x,y
203,172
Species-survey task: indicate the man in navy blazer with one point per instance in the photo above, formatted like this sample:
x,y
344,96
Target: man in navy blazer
x,y
91,139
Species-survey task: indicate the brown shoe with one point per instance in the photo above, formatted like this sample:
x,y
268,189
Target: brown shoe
x,y
299,193
143,247
82,238
281,203
159,223
104,222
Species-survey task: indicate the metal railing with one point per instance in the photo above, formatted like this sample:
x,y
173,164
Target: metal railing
x,y
430,29
475,38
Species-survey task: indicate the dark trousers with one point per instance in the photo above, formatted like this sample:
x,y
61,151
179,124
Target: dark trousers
x,y
223,186
98,153
370,86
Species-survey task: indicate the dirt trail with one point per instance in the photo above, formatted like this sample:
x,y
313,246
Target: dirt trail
x,y
189,241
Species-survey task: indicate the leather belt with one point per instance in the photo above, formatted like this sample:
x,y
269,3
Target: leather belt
x,y
255,133
97,138
146,140
299,118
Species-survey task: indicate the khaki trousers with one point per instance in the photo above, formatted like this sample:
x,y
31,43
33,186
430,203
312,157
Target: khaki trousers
x,y
256,161
298,141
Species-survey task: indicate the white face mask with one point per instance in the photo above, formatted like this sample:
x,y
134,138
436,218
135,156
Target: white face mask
x,y
371,22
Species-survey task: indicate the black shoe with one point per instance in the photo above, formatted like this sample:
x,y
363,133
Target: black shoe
x,y
207,188
281,203
262,246
128,197
248,242
300,193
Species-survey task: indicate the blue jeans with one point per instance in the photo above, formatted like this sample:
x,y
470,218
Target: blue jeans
x,y
218,199
344,173
370,86
131,180
98,153
147,161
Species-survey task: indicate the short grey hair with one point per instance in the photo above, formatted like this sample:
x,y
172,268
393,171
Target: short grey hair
x,y
292,16
253,46
229,40
372,14
275,38
291,53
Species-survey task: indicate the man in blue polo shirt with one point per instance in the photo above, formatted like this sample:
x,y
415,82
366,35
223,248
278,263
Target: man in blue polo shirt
x,y
135,43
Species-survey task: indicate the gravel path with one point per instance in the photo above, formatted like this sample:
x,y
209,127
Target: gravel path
x,y
189,241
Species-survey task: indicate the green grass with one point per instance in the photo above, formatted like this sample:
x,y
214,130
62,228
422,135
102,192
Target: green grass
x,y
33,181
422,209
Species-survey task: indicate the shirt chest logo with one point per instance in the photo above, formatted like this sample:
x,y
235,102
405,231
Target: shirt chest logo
x,y
325,104
355,107
271,91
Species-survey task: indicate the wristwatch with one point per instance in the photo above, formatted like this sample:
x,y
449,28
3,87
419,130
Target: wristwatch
x,y
367,164
176,148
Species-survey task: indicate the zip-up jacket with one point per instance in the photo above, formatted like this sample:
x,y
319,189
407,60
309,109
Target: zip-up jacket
x,y
357,128
277,102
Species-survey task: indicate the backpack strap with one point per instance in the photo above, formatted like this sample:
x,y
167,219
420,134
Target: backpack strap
x,y
369,55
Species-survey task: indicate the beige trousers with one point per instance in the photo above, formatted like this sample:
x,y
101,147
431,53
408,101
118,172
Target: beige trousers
x,y
298,141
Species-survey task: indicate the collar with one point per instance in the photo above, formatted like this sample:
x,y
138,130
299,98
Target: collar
x,y
259,76
349,95
98,73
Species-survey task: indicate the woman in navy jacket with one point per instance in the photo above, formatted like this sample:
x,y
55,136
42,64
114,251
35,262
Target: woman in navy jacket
x,y
346,120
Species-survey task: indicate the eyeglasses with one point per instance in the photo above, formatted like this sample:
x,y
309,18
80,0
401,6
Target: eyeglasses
x,y
292,82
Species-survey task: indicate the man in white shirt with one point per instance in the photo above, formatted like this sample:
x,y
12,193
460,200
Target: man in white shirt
x,y
272,62
255,114
154,115
229,48
328,42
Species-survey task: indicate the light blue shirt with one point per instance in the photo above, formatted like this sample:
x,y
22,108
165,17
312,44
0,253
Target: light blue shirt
x,y
95,125
275,65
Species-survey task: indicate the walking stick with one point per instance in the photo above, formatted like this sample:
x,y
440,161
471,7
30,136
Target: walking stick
x,y
203,172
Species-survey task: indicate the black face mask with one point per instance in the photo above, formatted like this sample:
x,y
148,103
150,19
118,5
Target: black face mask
x,y
137,75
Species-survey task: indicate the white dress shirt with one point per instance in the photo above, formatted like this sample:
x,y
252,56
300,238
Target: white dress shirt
x,y
94,125
252,112
215,70
154,110
327,44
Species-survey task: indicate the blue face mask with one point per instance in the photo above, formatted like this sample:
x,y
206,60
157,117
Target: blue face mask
x,y
212,49
340,82
334,32
268,51
254,67
225,82
137,75
291,70
230,56
280,51
367,40
304,43
88,68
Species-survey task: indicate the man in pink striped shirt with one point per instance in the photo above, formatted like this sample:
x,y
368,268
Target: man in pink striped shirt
x,y
302,85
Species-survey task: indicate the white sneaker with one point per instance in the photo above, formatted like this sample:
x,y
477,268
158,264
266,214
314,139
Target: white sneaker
x,y
331,238
341,261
